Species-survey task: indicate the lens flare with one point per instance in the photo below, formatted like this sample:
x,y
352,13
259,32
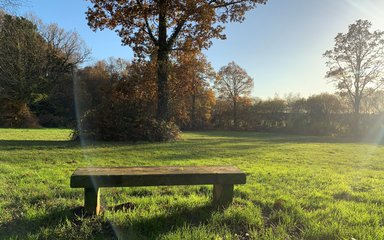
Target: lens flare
x,y
376,131
370,10
79,108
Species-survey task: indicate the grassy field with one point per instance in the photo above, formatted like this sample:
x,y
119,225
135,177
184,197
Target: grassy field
x,y
297,188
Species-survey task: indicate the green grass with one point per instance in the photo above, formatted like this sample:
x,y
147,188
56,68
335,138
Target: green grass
x,y
297,188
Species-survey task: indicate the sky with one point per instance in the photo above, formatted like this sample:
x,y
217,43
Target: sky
x,y
279,44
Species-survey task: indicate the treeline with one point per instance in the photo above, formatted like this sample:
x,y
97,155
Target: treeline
x,y
36,65
116,92
322,114
43,85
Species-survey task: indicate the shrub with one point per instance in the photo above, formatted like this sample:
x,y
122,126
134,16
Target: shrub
x,y
117,121
17,115
155,131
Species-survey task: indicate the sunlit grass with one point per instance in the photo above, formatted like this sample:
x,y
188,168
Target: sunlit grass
x,y
297,188
35,134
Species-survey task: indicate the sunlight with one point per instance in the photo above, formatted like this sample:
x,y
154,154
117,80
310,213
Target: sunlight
x,y
373,10
78,109
275,133
376,131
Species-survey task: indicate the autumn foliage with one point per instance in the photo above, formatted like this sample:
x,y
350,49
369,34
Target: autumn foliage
x,y
117,99
161,27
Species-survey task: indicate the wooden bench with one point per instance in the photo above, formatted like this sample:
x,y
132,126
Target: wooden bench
x,y
92,179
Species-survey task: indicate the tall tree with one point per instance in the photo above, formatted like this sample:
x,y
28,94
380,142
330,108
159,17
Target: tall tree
x,y
233,83
34,62
356,63
158,27
21,58
20,68
64,50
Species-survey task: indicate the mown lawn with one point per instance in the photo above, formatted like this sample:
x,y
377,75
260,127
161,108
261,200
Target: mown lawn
x,y
297,188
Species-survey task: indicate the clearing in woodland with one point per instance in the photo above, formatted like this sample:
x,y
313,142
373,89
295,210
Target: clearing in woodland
x,y
297,188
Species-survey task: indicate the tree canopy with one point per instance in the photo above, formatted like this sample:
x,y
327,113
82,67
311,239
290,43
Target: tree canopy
x,y
233,82
356,63
34,61
145,25
158,27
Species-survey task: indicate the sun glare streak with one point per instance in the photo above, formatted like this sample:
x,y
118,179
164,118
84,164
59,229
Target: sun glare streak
x,y
372,10
76,92
376,132
373,137
83,143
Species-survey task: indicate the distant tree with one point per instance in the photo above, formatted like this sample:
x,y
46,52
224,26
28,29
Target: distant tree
x,y
374,103
273,105
323,110
356,63
64,49
117,68
158,27
190,87
273,112
90,85
298,114
222,115
233,83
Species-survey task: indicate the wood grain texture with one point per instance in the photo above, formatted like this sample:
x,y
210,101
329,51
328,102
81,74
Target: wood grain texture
x,y
94,177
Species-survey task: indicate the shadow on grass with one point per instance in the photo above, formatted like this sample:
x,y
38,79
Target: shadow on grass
x,y
23,228
226,137
253,136
152,228
101,227
16,144
206,136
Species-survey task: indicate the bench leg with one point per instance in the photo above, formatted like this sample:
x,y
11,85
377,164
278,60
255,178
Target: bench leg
x,y
222,194
92,201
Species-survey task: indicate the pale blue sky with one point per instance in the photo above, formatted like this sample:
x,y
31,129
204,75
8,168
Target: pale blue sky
x,y
280,44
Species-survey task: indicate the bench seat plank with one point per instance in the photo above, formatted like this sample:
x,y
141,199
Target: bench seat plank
x,y
95,177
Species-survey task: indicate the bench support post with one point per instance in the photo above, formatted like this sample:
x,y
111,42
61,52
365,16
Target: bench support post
x,y
222,194
92,201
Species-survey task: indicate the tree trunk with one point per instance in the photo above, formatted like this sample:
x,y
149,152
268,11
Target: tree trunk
x,y
193,111
162,85
162,65
193,107
235,113
356,117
